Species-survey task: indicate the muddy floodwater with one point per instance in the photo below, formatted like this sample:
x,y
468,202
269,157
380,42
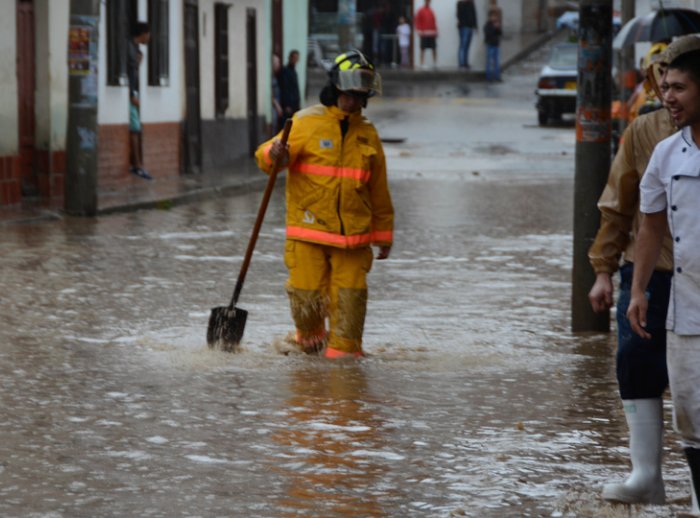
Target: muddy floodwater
x,y
475,398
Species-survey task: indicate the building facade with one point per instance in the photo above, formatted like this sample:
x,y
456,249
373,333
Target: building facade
x,y
205,87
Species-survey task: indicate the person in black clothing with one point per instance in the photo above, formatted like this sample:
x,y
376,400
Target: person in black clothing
x,y
467,24
140,36
492,38
289,88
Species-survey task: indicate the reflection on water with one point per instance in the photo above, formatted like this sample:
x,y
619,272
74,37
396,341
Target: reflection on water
x,y
329,444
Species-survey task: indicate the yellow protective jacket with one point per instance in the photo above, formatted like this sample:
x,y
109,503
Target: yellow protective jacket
x,y
619,203
337,190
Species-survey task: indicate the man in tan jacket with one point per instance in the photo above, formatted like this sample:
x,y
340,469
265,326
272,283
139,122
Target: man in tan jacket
x,y
640,364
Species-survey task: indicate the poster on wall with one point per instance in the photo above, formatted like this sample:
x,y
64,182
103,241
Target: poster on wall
x,y
83,59
79,50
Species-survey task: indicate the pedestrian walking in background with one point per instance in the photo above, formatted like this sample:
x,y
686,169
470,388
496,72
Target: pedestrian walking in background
x,y
669,194
467,25
492,39
426,28
140,36
289,88
642,375
338,204
277,112
403,35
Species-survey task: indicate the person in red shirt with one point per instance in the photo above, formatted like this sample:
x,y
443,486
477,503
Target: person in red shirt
x,y
426,27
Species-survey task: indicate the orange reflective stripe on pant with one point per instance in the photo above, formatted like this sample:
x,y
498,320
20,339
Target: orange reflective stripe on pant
x,y
328,238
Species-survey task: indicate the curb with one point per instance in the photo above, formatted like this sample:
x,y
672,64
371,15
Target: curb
x,y
165,203
195,195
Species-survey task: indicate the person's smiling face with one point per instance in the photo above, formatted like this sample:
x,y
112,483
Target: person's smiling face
x,y
682,98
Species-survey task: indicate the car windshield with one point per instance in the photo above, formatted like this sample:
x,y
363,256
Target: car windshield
x,y
564,56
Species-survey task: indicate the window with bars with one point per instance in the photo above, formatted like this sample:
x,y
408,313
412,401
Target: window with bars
x,y
221,84
121,16
159,45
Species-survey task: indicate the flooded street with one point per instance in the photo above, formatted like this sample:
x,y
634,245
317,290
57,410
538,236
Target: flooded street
x,y
475,398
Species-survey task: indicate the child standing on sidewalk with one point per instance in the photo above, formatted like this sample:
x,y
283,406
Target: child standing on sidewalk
x,y
492,38
403,34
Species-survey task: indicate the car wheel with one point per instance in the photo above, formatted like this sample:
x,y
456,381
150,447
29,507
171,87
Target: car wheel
x,y
542,117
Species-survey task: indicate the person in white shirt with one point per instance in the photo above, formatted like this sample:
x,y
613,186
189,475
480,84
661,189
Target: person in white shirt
x,y
403,34
670,195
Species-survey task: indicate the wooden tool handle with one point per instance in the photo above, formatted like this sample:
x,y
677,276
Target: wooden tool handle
x,y
259,220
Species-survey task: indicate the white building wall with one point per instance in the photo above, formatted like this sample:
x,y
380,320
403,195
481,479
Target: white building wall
x,y
237,56
296,36
448,34
52,20
158,103
9,141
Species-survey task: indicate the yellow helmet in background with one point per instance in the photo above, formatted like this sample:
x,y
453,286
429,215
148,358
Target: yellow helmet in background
x,y
653,54
679,46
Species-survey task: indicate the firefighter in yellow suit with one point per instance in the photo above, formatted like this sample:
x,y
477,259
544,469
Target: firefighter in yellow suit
x,y
338,205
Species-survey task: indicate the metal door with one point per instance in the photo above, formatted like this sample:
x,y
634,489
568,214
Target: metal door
x,y
26,85
252,80
193,118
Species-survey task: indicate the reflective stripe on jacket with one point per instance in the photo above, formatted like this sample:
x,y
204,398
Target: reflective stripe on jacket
x,y
337,190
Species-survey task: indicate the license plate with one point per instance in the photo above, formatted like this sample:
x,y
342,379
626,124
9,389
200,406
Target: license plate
x,y
570,85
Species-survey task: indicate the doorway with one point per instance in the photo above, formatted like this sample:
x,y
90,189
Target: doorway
x,y
26,86
193,118
252,80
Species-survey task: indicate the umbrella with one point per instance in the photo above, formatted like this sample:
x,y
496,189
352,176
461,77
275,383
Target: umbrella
x,y
659,25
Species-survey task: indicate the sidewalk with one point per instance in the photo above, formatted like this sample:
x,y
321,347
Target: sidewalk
x,y
160,193
138,194
514,48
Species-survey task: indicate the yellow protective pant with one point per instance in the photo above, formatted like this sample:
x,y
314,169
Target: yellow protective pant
x,y
325,281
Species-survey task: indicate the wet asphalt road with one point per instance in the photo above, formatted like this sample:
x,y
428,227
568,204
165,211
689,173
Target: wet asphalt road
x,y
475,400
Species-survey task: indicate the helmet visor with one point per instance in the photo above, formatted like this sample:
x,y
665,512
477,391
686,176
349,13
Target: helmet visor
x,y
360,80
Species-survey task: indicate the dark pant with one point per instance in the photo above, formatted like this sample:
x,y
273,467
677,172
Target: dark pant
x,y
641,364
493,65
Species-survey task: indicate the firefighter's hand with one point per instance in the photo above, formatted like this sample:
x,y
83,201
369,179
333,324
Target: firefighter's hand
x,y
384,252
281,151
637,314
601,294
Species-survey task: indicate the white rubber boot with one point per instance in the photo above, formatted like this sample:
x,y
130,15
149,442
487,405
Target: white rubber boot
x,y
693,458
646,425
694,508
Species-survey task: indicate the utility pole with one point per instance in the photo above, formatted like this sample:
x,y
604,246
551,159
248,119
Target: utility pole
x,y
81,137
592,151
628,74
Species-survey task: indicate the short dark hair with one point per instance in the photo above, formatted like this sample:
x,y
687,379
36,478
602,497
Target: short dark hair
x,y
140,28
689,63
